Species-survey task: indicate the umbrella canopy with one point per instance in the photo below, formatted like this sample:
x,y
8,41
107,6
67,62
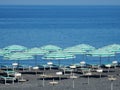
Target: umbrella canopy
x,y
4,52
60,55
85,47
36,51
101,53
112,48
74,50
18,56
15,48
51,48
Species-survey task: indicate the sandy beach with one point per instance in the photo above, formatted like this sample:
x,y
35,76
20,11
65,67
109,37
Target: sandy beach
x,y
35,82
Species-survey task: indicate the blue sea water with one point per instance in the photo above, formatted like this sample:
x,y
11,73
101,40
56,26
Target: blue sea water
x,y
64,26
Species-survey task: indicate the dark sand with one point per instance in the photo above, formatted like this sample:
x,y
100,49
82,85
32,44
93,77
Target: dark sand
x,y
35,82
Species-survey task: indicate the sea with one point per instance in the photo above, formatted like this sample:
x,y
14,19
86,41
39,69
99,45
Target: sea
x,y
64,26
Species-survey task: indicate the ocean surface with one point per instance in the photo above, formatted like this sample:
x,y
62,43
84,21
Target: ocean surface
x,y
64,26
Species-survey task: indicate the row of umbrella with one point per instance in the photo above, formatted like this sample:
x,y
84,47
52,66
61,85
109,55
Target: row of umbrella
x,y
52,52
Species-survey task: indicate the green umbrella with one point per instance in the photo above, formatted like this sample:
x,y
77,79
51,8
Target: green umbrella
x,y
15,48
112,48
74,50
51,48
18,56
60,55
101,53
85,47
79,49
4,52
36,51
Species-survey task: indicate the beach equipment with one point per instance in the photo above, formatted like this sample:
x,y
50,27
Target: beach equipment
x,y
74,50
73,77
99,70
111,78
85,47
59,55
15,48
36,52
101,53
43,79
88,74
114,63
112,48
18,56
7,79
53,83
59,74
51,48
4,52
79,49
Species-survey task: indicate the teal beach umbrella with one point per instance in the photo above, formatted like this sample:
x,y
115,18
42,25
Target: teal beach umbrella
x,y
18,56
51,48
101,53
35,52
60,55
15,48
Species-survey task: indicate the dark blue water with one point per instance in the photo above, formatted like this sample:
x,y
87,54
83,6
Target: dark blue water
x,y
35,26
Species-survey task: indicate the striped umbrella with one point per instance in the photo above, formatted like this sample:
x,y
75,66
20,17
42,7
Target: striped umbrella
x,y
18,56
15,48
35,52
51,48
60,55
101,53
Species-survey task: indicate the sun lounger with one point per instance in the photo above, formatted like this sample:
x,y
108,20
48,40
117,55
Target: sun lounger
x,y
7,79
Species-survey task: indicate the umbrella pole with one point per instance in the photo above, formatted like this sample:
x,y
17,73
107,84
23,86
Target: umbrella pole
x,y
111,85
59,64
73,83
100,61
36,60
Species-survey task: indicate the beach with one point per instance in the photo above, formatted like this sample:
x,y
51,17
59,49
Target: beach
x,y
64,26
34,82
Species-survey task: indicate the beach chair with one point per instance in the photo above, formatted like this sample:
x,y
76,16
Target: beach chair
x,y
7,79
6,67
